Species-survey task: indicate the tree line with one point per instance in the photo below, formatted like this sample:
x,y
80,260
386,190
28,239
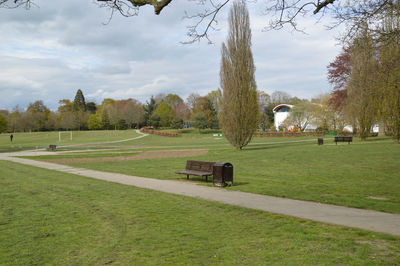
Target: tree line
x,y
160,111
366,76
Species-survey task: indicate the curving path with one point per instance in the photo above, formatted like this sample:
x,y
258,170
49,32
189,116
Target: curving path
x,y
142,135
352,217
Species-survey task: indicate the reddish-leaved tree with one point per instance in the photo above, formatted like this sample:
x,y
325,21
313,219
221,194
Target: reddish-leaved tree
x,y
339,72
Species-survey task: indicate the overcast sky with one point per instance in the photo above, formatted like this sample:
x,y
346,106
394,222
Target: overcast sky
x,y
50,51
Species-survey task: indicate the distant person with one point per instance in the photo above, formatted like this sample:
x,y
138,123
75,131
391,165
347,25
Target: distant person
x,y
11,137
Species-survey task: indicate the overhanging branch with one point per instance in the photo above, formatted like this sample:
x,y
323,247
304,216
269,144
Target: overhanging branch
x,y
157,4
321,5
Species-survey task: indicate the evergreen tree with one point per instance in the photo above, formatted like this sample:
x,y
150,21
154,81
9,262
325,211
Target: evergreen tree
x,y
79,111
149,109
239,107
154,120
79,101
91,107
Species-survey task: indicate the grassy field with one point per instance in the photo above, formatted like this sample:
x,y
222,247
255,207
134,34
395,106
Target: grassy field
x,y
48,217
35,140
92,154
362,174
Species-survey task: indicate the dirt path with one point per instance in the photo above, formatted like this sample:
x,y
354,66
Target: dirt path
x,y
358,218
143,155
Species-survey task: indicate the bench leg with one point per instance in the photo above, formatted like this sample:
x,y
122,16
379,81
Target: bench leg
x,y
206,178
187,176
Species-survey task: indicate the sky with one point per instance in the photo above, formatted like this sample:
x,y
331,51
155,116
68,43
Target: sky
x,y
57,47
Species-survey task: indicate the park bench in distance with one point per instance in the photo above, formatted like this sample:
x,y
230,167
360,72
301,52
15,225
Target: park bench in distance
x,y
343,139
52,147
198,168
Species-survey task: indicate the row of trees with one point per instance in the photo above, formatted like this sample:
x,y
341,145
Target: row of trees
x,y
366,76
74,115
367,87
159,111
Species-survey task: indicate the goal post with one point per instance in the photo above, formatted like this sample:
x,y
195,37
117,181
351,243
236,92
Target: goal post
x,y
64,132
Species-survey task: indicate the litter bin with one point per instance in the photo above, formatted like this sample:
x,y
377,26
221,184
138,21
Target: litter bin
x,y
320,141
222,173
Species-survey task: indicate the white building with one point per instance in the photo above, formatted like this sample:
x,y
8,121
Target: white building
x,y
281,112
375,128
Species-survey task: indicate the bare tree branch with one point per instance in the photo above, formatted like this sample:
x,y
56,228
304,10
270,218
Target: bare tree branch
x,y
287,12
193,30
352,13
323,4
356,14
16,3
122,6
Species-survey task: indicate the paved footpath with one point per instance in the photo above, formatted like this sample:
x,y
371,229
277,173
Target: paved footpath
x,y
352,217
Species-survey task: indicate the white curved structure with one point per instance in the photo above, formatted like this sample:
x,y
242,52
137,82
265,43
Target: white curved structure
x,y
281,112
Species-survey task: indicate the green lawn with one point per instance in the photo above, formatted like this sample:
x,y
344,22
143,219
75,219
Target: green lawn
x,y
295,168
93,154
49,217
34,140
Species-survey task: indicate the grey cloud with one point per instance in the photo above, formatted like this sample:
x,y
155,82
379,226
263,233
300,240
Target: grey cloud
x,y
38,79
63,46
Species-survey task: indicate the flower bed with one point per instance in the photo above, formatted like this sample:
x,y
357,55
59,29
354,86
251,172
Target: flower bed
x,y
151,130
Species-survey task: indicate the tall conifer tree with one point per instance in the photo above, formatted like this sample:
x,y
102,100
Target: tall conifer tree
x,y
79,101
239,108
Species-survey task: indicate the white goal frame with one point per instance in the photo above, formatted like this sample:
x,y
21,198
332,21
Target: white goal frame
x,y
59,135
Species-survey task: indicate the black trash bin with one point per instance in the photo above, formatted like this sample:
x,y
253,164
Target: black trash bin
x,y
222,173
320,141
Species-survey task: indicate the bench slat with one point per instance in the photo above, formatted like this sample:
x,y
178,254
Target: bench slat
x,y
193,172
198,168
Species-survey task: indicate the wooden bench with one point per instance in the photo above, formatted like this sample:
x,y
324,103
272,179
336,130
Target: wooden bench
x,y
198,168
52,147
343,139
